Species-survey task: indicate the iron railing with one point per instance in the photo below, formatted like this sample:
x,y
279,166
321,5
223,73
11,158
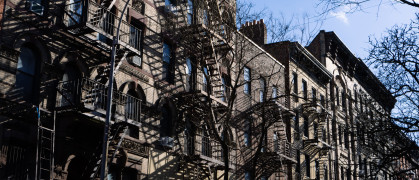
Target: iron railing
x,y
204,146
103,21
92,94
282,147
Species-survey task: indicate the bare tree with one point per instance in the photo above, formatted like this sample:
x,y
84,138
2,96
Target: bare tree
x,y
356,5
396,58
279,27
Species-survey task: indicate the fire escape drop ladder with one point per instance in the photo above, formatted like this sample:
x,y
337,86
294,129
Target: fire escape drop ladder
x,y
45,147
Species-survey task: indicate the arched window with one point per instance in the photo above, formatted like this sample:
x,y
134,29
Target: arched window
x,y
132,105
27,71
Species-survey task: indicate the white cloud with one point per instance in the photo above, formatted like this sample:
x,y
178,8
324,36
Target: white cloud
x,y
341,15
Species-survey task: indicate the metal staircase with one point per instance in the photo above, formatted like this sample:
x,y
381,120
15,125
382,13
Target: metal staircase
x,y
97,156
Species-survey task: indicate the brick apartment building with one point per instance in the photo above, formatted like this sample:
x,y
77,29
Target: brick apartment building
x,y
193,97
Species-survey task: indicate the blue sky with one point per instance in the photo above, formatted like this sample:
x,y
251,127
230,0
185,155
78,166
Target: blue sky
x,y
352,28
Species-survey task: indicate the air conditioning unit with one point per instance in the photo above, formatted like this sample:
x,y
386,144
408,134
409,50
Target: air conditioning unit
x,y
36,8
167,141
136,60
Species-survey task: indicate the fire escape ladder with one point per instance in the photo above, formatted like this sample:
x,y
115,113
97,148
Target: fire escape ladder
x,y
45,146
114,151
114,132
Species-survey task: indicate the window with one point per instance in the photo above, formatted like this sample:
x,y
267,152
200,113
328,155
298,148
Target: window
x,y
108,27
314,94
346,136
247,133
247,175
305,126
262,89
36,7
132,106
343,100
169,2
188,69
295,86
247,77
360,104
304,88
224,89
307,159
340,134
325,171
337,96
166,122
136,34
133,131
317,169
204,79
274,92
168,63
27,71
190,12
324,134
356,100
205,17
315,127
322,101
206,148
75,13
70,94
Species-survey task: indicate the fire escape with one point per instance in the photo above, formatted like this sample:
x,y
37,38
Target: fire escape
x,y
201,33
276,151
317,118
95,25
315,115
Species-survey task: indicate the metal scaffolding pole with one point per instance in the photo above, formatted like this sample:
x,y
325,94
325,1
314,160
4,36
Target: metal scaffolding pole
x,y
105,144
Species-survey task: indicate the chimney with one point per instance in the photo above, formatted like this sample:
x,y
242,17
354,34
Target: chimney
x,y
256,31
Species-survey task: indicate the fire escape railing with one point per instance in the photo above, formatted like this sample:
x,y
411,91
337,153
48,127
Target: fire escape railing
x,y
282,147
204,146
88,14
91,94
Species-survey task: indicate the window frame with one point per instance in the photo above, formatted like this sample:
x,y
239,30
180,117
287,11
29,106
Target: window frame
x,y
304,89
314,94
295,86
168,63
247,86
33,61
262,84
